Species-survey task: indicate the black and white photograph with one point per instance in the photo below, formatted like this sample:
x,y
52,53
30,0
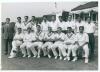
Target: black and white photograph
x,y
49,35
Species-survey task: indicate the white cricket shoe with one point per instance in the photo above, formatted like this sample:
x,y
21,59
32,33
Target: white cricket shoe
x,y
29,56
60,58
55,57
65,58
38,56
11,56
68,58
86,60
75,58
34,56
24,55
49,56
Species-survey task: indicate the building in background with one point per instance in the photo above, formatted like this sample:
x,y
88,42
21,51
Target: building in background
x,y
89,9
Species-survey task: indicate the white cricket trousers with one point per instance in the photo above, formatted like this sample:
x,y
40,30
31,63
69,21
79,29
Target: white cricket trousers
x,y
86,51
25,48
15,45
47,45
70,48
39,47
58,45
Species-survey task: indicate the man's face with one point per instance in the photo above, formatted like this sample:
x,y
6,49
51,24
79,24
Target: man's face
x,y
19,19
26,18
88,20
81,29
7,20
53,18
59,29
60,19
69,29
19,30
44,19
36,21
33,18
38,28
69,18
49,29
79,19
29,30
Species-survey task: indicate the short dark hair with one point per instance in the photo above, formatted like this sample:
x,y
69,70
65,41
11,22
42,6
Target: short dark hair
x,y
33,16
8,18
60,17
19,28
49,27
59,28
29,28
44,16
26,16
69,27
18,17
38,26
81,27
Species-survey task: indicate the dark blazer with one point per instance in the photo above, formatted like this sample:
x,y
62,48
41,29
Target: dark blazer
x,y
8,30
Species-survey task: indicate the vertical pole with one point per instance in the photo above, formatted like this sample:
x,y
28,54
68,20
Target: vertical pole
x,y
55,5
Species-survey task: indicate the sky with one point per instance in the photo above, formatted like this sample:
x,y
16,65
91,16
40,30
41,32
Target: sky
x,y
13,10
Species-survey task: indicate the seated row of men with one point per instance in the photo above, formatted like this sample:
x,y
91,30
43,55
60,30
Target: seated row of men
x,y
49,41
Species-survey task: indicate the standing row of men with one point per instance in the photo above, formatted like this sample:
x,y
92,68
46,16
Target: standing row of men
x,y
49,35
